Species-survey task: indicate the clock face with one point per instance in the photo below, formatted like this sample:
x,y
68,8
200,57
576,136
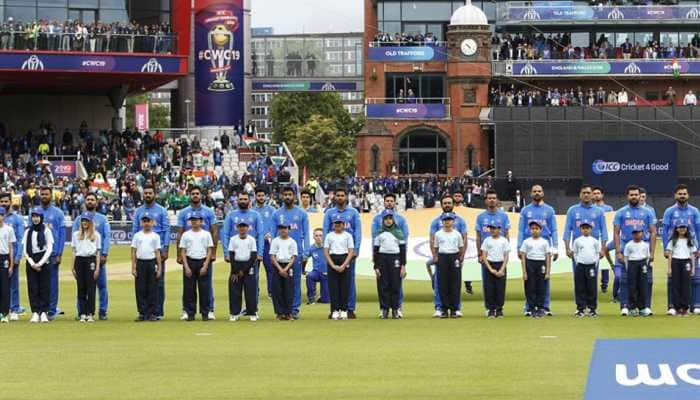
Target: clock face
x,y
468,47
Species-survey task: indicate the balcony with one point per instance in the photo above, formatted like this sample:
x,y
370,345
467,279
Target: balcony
x,y
407,52
546,14
631,68
408,108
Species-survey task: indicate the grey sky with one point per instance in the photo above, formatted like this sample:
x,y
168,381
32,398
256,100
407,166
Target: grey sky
x,y
309,16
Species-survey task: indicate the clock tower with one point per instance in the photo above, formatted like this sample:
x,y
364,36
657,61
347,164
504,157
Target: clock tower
x,y
468,77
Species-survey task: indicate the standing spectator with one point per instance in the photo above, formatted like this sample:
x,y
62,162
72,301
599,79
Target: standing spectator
x,y
690,99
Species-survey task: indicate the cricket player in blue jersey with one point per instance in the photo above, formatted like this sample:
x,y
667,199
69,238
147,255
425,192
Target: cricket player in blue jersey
x,y
298,222
306,202
13,219
542,213
319,270
161,226
599,201
618,291
101,226
492,216
400,221
643,203
265,210
447,203
208,224
256,229
628,219
54,220
682,211
585,210
353,226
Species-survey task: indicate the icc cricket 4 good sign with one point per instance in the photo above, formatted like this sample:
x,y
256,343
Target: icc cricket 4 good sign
x,y
219,62
614,165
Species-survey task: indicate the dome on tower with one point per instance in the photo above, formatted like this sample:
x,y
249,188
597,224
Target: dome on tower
x,y
469,15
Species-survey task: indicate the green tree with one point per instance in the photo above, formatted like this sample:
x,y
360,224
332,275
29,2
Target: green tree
x,y
290,110
319,146
158,114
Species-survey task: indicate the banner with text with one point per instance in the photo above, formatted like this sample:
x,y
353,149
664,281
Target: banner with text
x,y
417,53
46,62
407,111
141,117
219,62
614,165
304,86
64,169
595,67
567,12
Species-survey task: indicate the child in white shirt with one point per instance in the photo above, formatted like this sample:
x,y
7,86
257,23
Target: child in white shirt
x,y
636,254
339,249
536,259
243,255
586,251
680,252
449,247
283,253
494,253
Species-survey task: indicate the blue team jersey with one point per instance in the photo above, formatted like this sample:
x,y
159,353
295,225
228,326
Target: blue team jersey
x,y
487,218
56,221
298,225
315,253
460,225
266,212
353,225
605,207
399,221
542,214
580,212
676,214
184,215
256,227
161,223
627,218
17,223
102,227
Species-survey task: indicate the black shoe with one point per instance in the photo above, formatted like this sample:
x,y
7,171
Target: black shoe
x,y
394,314
351,314
295,316
453,314
384,314
579,314
593,313
499,313
604,289
153,318
444,315
190,317
310,302
468,289
140,318
547,312
102,317
205,317
491,314
330,315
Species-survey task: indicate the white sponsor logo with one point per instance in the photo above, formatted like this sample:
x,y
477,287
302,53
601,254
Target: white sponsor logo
x,y
531,15
94,63
33,63
528,69
632,68
664,377
616,14
152,66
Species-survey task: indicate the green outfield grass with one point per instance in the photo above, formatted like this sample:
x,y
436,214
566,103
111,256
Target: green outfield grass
x,y
314,358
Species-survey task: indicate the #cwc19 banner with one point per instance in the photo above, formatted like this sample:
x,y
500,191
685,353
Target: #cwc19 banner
x,y
219,62
614,165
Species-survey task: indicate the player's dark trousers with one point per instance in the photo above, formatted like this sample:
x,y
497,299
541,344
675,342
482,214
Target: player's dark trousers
x,y
494,288
585,278
638,283
339,284
449,280
282,291
39,287
5,284
87,285
244,285
194,284
146,288
680,283
389,281
535,284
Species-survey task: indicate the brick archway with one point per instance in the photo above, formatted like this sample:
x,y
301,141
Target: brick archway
x,y
420,158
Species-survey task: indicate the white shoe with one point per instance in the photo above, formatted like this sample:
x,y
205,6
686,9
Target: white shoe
x,y
335,316
696,311
254,318
5,319
90,318
343,315
35,318
184,316
671,312
211,316
233,318
82,318
14,316
459,314
44,318
645,312
399,313
437,314
624,312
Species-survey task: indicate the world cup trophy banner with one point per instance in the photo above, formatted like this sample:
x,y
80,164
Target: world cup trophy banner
x,y
219,65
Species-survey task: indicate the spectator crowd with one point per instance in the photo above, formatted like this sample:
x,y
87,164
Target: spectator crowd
x,y
123,37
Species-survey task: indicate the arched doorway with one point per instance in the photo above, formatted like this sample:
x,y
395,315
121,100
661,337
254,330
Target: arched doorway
x,y
423,151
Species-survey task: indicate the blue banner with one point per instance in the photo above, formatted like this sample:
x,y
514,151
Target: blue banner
x,y
583,12
219,63
652,369
407,111
603,67
49,62
305,86
613,165
417,53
